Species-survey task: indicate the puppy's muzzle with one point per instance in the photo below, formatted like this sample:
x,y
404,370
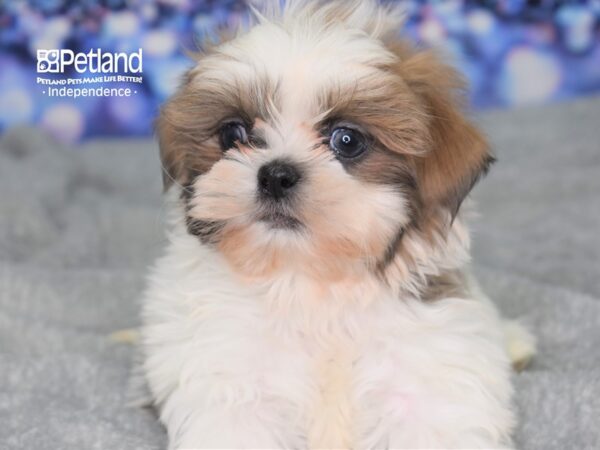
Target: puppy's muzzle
x,y
277,179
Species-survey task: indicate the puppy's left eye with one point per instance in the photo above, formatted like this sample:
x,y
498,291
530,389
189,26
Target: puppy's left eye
x,y
347,142
231,134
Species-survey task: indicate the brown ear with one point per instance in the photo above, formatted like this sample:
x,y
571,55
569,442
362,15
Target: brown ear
x,y
171,156
458,154
170,128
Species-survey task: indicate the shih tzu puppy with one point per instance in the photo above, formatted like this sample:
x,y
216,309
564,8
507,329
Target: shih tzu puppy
x,y
314,293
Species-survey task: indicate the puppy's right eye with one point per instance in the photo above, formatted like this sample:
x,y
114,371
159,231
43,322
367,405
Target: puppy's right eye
x,y
347,143
231,134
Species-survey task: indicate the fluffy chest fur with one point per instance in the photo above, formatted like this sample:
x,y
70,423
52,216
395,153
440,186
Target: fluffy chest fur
x,y
347,366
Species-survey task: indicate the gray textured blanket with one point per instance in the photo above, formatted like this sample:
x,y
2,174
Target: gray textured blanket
x,y
78,228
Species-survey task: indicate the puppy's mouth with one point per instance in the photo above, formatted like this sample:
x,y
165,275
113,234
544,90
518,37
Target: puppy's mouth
x,y
278,220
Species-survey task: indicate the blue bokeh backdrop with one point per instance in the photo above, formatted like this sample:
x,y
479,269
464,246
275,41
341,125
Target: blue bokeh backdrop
x,y
514,52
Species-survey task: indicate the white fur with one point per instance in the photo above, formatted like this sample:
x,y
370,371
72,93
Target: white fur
x,y
285,365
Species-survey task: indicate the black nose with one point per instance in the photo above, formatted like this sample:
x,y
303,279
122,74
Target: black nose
x,y
277,178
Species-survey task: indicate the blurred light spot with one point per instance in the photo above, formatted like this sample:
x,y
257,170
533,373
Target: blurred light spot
x,y
64,121
432,31
16,106
480,21
165,76
30,22
529,76
58,26
121,24
148,12
159,43
577,25
204,26
44,41
52,35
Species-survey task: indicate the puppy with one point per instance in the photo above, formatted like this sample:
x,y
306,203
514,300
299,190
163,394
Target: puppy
x,y
313,293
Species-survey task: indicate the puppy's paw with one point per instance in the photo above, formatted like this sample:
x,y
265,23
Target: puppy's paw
x,y
125,336
520,343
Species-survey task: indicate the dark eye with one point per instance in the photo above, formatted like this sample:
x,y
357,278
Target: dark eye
x,y
231,134
347,143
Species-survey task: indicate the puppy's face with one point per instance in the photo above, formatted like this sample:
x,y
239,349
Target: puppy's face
x,y
314,142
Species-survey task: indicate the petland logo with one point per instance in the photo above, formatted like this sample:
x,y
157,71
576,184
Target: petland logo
x,y
94,61
106,68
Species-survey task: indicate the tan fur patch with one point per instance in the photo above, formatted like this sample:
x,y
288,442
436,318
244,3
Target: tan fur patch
x,y
331,419
190,120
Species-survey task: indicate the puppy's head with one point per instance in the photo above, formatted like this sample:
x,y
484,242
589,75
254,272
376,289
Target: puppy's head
x,y
315,141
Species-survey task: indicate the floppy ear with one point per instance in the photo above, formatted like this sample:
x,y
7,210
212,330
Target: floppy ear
x,y
458,153
171,136
171,155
